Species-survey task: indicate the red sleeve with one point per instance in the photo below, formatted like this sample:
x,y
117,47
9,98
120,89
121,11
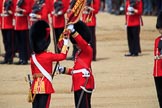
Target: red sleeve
x,y
65,5
48,5
51,7
44,12
27,7
13,6
69,71
96,6
57,57
81,42
139,8
156,45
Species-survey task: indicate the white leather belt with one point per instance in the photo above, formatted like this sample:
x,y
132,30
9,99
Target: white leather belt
x,y
79,71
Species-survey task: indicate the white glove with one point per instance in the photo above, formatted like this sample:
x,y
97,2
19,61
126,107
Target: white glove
x,y
32,15
53,12
71,28
130,9
61,69
18,14
4,14
85,73
66,42
59,13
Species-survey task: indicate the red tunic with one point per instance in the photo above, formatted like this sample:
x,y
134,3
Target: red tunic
x,y
59,21
45,59
83,61
21,22
96,6
7,21
157,71
136,19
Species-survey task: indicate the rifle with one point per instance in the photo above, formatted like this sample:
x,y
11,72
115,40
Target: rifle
x,y
20,3
37,7
58,6
7,5
56,51
20,10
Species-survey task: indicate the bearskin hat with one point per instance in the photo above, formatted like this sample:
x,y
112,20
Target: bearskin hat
x,y
39,36
159,21
83,30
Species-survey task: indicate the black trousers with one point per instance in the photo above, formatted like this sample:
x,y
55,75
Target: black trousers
x,y
159,5
133,36
23,44
8,41
41,101
93,41
158,84
86,99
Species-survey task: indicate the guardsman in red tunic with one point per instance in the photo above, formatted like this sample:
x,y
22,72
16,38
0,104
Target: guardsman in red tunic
x,y
41,63
89,17
133,12
157,71
7,30
82,77
58,9
40,11
21,27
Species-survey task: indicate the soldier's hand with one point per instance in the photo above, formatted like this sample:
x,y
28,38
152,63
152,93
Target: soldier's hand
x,y
59,13
85,73
32,15
160,57
66,41
66,33
131,9
71,28
61,69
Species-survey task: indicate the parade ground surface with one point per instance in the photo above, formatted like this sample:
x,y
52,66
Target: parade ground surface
x,y
121,82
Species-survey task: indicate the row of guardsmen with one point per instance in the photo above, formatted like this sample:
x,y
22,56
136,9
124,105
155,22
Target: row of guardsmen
x,y
16,17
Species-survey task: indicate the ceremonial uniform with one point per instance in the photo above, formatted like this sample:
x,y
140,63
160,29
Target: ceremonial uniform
x,y
82,77
58,9
45,59
41,85
157,62
41,63
7,30
91,23
157,69
133,23
21,28
82,62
